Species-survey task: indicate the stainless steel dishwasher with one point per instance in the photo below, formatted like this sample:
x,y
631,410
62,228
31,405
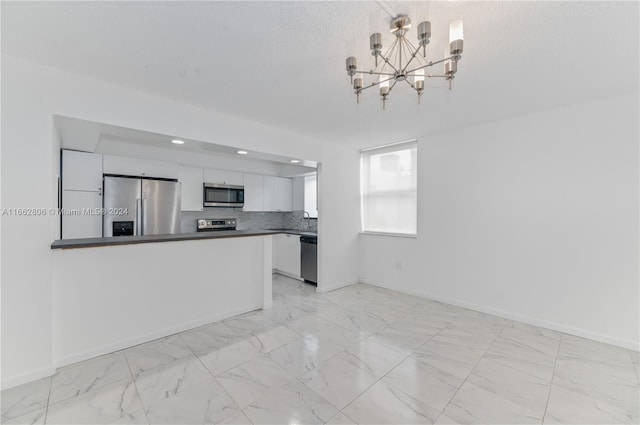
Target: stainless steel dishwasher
x,y
309,258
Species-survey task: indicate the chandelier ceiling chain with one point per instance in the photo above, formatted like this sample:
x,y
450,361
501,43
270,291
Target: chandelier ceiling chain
x,y
403,61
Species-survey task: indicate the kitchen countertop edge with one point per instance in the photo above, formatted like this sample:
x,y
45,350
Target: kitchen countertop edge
x,y
133,240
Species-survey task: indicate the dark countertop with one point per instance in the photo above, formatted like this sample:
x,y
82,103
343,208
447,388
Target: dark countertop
x,y
295,232
131,240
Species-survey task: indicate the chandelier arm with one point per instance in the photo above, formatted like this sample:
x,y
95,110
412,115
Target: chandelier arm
x,y
431,64
429,75
372,72
388,63
369,86
413,56
392,86
377,83
412,46
412,86
388,53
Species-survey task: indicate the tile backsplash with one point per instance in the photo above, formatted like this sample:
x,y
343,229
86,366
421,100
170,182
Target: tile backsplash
x,y
295,220
245,220
248,220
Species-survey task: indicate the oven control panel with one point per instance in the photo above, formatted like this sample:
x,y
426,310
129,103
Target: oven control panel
x,y
211,224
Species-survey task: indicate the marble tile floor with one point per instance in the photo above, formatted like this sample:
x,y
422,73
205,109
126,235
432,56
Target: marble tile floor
x,y
357,355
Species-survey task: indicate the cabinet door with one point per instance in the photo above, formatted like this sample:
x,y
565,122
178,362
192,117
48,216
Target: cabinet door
x,y
253,192
285,194
277,193
81,171
271,198
288,257
191,179
121,165
222,176
81,217
297,194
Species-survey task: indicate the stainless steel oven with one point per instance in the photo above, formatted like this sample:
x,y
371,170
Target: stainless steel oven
x,y
223,195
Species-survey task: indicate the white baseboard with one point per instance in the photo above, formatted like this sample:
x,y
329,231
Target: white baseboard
x,y
130,342
14,381
291,275
624,343
324,289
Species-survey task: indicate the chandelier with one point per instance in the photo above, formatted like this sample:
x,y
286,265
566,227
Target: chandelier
x,y
405,62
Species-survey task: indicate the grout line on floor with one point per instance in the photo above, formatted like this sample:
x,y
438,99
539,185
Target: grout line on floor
x,y
135,384
46,412
396,366
470,373
553,374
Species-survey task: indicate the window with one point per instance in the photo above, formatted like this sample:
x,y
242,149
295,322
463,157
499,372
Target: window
x,y
389,189
311,195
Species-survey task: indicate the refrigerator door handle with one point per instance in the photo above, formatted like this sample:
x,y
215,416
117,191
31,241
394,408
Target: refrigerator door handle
x,y
144,213
138,215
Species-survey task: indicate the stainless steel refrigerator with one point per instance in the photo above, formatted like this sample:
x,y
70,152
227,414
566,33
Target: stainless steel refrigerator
x,y
134,206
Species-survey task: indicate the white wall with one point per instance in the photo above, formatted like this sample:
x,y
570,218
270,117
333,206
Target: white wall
x,y
533,218
151,291
31,95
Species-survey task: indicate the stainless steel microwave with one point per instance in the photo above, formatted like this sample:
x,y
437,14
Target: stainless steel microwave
x,y
223,195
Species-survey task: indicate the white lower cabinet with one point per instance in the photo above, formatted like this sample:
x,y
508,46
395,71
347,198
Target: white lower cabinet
x,y
287,254
81,216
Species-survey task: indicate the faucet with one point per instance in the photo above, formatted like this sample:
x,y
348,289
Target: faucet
x,y
307,216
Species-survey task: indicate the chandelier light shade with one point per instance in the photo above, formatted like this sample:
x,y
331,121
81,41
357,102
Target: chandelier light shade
x,y
403,61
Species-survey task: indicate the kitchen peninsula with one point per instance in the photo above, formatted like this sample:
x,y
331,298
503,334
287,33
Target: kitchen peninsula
x,y
113,293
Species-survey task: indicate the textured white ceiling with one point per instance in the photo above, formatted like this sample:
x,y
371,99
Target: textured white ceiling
x,y
282,63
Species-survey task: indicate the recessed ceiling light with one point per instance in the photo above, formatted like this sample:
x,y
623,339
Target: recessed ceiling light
x,y
242,152
177,142
295,161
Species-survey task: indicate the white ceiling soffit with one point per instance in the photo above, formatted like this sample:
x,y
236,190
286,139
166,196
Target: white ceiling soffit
x,y
282,63
92,136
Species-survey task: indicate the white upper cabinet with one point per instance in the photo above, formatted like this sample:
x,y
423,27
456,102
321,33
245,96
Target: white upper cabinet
x,y
81,171
253,192
298,194
192,189
125,166
223,176
277,194
270,193
285,194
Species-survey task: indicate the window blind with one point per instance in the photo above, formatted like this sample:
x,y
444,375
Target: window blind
x,y
389,188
